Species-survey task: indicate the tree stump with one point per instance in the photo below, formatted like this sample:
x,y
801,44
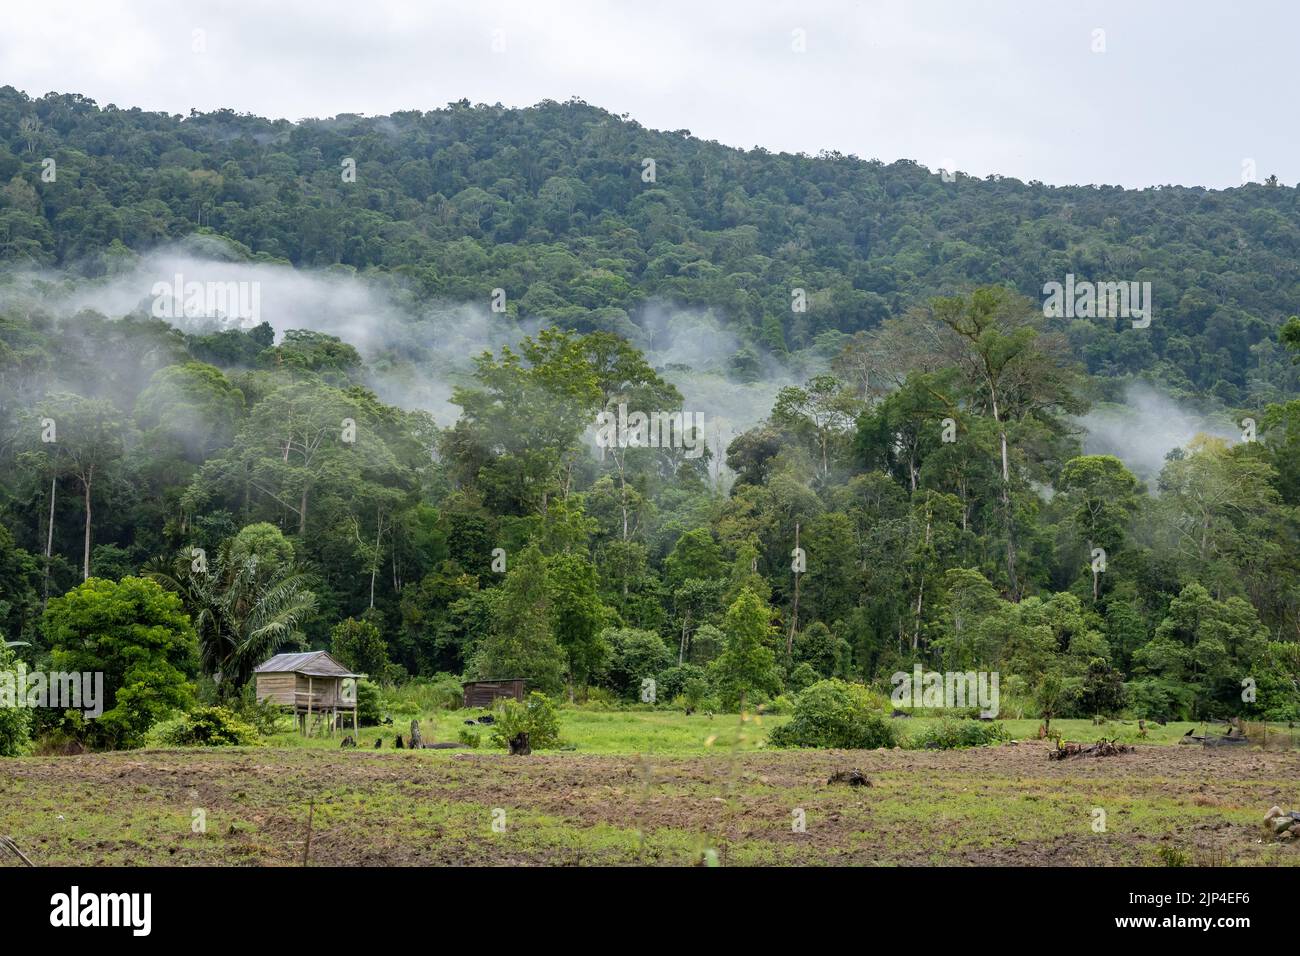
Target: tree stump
x,y
519,745
416,742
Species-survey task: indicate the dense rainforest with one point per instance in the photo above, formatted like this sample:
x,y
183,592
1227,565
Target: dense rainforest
x,y
208,494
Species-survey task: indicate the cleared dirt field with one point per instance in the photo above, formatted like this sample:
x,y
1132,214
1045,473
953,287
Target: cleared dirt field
x,y
990,806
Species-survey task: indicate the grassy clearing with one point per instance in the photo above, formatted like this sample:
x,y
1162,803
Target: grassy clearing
x,y
988,806
672,732
651,787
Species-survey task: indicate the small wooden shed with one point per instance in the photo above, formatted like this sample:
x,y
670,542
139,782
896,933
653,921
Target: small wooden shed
x,y
485,693
313,684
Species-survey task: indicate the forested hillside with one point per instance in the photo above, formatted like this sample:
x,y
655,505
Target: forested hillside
x,y
208,495
551,204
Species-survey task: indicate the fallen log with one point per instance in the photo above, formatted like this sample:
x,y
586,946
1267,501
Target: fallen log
x,y
12,847
1102,748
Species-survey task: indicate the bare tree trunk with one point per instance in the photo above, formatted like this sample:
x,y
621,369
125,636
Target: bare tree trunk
x,y
1095,576
1006,496
49,542
374,561
85,555
916,622
920,591
794,611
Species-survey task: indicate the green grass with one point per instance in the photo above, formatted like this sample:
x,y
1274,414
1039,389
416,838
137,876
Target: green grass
x,y
648,787
672,732
588,731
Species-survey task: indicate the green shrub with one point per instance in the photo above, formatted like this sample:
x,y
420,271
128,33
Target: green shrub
x,y
696,693
58,732
367,704
203,727
833,713
780,704
634,655
15,722
536,717
266,716
470,738
802,677
672,681
1158,699
950,733
421,695
600,698
446,692
1172,856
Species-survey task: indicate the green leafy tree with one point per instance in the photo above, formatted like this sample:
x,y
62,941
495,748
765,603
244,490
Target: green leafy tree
x,y
1101,497
194,404
139,637
521,642
359,646
747,665
88,443
634,657
577,616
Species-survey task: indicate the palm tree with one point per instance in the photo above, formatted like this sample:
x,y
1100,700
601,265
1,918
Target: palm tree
x,y
243,613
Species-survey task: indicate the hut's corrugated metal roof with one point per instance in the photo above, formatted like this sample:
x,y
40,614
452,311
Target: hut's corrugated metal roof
x,y
311,663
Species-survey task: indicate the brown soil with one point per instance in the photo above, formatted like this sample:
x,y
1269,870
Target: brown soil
x,y
987,806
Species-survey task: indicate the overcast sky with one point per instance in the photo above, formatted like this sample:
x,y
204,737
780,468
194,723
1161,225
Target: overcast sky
x,y
1132,93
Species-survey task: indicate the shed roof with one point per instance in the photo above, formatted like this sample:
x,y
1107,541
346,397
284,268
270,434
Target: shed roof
x,y
310,663
494,680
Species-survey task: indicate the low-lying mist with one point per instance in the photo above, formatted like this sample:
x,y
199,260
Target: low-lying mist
x,y
1146,427
417,350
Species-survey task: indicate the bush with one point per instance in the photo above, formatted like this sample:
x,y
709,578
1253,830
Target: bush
x,y
470,738
423,694
600,698
367,704
359,646
58,733
833,713
203,727
950,733
266,717
15,722
672,681
780,704
536,718
446,692
1158,699
634,656
695,692
802,677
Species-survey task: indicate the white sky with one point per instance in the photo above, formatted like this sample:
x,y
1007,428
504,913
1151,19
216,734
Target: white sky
x,y
1185,92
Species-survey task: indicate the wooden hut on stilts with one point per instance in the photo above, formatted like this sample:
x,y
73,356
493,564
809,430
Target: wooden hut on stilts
x,y
314,685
